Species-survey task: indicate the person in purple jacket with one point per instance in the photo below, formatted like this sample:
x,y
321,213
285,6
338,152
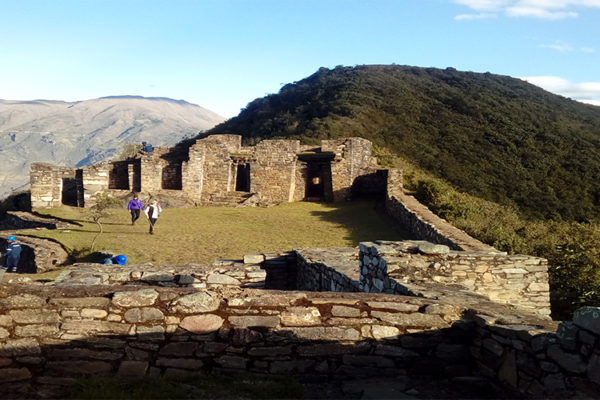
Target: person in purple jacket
x,y
135,206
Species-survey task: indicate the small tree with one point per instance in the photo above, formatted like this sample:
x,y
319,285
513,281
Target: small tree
x,y
99,211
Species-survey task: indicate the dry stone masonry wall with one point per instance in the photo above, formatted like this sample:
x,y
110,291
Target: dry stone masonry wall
x,y
273,169
393,267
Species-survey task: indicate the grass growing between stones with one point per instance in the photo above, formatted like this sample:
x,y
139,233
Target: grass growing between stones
x,y
203,234
192,386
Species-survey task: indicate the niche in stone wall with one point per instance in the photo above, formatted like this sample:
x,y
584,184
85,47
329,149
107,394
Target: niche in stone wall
x,y
242,178
118,176
171,177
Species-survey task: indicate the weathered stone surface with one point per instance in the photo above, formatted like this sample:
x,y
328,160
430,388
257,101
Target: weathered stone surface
x,y
343,311
80,302
14,374
89,327
200,302
202,324
184,363
6,321
380,332
300,316
251,320
81,353
4,333
222,279
430,248
270,351
508,369
74,367
93,313
235,362
19,347
326,333
130,368
139,298
569,361
254,258
388,305
396,352
178,349
368,361
593,369
588,318
150,332
22,301
411,320
157,277
136,315
33,316
37,330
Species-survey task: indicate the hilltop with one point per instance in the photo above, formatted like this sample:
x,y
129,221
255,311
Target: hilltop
x,y
496,137
86,132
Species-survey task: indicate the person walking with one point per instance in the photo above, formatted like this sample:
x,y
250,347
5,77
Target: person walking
x,y
152,212
12,254
135,206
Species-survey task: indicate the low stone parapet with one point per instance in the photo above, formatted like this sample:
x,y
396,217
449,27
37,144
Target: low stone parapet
x,y
396,267
224,273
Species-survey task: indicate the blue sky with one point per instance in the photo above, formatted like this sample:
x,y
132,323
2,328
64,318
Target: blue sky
x,y
222,54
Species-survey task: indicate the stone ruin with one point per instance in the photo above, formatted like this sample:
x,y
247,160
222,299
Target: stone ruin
x,y
444,308
216,170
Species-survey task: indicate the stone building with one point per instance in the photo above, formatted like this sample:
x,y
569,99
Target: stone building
x,y
215,168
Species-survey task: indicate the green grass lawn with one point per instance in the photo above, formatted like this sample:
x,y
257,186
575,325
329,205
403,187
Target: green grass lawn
x,y
204,234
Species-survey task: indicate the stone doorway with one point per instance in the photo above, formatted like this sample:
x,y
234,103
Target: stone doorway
x,y
242,178
69,192
318,181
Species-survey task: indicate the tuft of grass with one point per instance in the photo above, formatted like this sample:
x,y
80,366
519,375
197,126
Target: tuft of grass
x,y
203,234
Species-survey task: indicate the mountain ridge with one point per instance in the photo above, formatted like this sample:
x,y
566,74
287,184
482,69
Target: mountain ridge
x,y
494,136
85,132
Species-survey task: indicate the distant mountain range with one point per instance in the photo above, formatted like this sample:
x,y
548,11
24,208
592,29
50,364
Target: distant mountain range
x,y
86,132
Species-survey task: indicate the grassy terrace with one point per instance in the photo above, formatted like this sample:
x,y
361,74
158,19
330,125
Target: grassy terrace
x,y
201,235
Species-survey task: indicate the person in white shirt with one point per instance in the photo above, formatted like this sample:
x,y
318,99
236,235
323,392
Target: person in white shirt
x,y
152,212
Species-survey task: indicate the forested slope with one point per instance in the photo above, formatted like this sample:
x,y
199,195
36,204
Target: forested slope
x,y
496,137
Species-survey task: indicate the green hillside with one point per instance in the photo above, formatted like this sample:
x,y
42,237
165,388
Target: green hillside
x,y
495,137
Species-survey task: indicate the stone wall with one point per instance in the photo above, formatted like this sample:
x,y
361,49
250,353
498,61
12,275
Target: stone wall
x,y
152,165
394,267
47,184
560,364
422,223
353,158
48,338
327,270
207,173
273,175
223,273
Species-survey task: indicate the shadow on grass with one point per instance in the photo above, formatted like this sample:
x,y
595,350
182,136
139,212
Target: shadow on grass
x,y
364,220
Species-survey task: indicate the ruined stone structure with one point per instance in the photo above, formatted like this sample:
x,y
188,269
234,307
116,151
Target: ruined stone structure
x,y
168,320
212,169
443,307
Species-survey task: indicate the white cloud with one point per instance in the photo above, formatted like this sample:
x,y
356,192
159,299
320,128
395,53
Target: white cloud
x,y
586,92
541,9
562,47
